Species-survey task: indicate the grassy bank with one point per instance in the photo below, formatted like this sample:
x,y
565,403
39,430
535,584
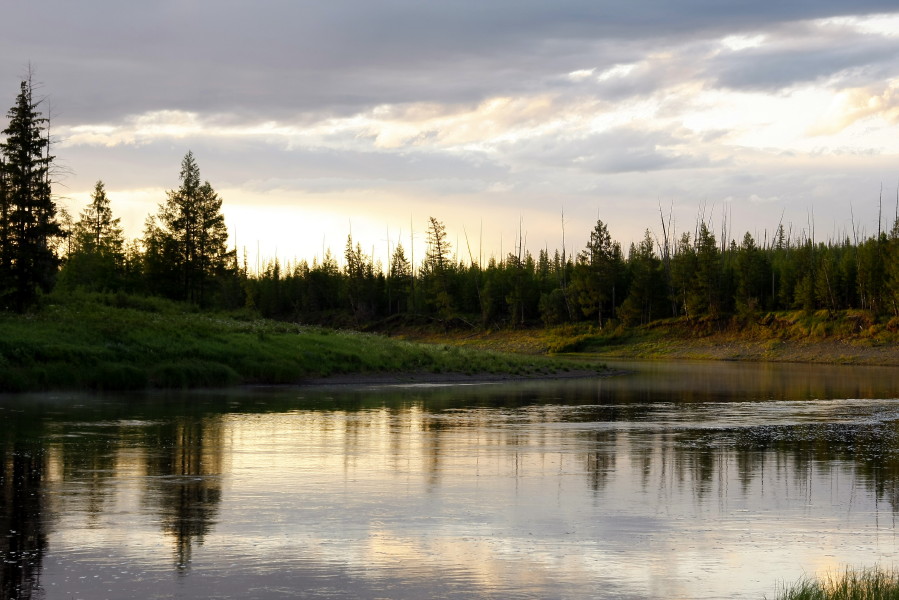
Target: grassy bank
x,y
123,342
865,584
848,337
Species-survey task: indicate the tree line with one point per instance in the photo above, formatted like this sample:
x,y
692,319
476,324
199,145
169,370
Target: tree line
x,y
695,276
183,255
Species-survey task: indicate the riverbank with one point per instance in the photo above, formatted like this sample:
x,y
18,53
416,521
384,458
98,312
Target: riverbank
x,y
119,342
850,337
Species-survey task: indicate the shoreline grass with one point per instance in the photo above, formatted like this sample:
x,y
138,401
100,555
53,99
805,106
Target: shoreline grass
x,y
120,342
874,583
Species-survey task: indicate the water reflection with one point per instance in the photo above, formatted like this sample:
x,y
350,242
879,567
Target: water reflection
x,y
22,518
183,479
669,483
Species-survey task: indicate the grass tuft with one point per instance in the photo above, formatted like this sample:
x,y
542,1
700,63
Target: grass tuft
x,y
852,584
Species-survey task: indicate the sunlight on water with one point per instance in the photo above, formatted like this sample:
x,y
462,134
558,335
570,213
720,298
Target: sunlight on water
x,y
681,480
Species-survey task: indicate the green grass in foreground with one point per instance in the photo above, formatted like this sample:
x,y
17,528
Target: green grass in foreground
x,y
852,584
101,341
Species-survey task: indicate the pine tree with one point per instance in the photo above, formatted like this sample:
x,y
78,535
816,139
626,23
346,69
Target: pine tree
x,y
753,275
359,277
644,299
435,270
97,255
683,268
399,280
28,225
188,238
706,293
96,229
596,275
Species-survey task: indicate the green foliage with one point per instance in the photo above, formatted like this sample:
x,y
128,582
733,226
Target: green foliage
x,y
436,271
362,286
554,307
399,282
852,584
186,242
645,298
28,225
117,341
596,278
96,257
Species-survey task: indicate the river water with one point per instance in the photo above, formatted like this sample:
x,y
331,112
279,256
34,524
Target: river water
x,y
677,480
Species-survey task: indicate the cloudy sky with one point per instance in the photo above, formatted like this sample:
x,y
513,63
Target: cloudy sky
x,y
316,119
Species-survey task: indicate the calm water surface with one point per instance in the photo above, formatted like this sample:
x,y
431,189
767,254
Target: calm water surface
x,y
683,480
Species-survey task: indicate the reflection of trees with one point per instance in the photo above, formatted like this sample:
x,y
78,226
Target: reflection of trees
x,y
90,460
870,448
24,537
433,448
182,461
703,461
184,480
700,460
599,462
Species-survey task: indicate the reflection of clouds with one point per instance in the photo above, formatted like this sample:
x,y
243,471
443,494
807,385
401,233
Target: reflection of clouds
x,y
486,563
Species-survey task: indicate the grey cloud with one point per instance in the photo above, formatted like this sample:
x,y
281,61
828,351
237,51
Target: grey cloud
x,y
235,163
777,67
620,150
105,59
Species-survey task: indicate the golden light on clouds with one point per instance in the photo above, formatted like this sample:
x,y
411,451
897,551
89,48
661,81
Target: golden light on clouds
x,y
853,105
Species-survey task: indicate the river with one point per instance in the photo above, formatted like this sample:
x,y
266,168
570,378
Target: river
x,y
676,480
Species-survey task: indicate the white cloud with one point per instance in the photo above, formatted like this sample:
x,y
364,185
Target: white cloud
x,y
581,74
618,71
742,42
886,25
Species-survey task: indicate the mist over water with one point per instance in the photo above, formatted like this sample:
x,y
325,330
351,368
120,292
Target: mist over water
x,y
700,480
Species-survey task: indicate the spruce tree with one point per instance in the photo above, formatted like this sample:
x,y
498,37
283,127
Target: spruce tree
x,y
596,274
189,236
96,229
435,270
28,225
399,281
97,255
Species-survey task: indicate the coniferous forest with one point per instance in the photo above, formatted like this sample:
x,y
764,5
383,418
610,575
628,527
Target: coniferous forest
x,y
183,255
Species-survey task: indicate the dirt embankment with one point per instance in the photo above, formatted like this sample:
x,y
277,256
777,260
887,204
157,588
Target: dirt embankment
x,y
852,337
725,347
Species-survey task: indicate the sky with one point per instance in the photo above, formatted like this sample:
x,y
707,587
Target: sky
x,y
506,120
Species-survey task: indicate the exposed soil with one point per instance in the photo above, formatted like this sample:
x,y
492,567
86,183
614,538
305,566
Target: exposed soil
x,y
828,351
680,341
